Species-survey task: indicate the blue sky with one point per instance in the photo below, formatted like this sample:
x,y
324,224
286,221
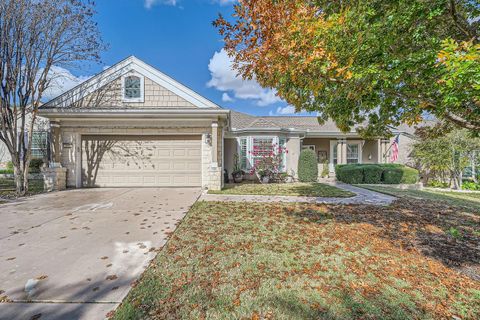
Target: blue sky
x,y
177,37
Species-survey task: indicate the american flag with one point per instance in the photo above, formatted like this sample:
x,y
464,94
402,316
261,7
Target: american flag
x,y
394,147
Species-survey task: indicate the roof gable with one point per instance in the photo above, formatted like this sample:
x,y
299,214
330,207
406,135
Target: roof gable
x,y
186,96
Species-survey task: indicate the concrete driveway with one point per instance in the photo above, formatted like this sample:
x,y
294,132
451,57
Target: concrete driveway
x,y
74,254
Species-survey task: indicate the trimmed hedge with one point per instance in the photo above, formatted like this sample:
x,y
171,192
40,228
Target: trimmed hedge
x,y
307,166
376,174
372,174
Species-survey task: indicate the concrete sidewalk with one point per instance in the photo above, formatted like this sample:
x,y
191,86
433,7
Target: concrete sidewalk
x,y
363,196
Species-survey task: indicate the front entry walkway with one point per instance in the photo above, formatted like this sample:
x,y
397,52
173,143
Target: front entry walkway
x,y
363,196
75,254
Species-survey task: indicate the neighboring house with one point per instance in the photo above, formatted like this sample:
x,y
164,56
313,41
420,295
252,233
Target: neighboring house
x,y
40,142
132,125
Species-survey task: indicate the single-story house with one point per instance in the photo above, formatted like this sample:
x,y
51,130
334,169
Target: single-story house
x,y
132,125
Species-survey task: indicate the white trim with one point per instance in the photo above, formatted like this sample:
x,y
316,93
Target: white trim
x,y
78,160
141,99
123,67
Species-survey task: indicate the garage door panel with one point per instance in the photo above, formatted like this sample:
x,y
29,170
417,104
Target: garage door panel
x,y
142,161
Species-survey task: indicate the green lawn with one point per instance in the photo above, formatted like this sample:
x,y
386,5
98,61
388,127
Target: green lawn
x,y
470,201
7,187
284,189
297,261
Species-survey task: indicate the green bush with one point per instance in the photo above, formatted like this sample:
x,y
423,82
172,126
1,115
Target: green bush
x,y
372,174
376,174
470,185
10,165
35,165
410,175
307,166
437,184
352,175
392,176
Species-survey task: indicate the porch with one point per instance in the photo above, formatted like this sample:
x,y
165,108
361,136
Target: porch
x,y
331,152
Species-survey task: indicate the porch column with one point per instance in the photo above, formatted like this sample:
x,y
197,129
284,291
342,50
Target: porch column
x,y
383,150
214,144
342,151
55,128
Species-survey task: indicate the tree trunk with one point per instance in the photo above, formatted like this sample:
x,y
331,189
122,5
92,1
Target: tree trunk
x,y
17,174
25,178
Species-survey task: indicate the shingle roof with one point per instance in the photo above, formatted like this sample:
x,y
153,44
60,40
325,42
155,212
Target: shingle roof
x,y
242,121
245,121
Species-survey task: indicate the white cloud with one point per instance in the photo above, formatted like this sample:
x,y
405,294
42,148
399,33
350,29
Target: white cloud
x,y
225,79
226,97
286,110
61,80
150,3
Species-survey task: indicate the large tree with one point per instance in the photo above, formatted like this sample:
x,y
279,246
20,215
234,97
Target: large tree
x,y
34,36
385,61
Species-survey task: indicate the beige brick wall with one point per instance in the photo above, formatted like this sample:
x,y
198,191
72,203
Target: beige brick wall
x,y
72,131
111,96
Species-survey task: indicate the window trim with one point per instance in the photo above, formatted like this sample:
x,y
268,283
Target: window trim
x,y
142,88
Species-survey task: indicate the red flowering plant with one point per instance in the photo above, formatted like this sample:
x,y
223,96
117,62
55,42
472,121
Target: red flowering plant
x,y
268,162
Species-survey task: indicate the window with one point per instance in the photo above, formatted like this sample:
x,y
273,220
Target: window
x,y
352,153
39,144
251,149
243,154
133,88
261,147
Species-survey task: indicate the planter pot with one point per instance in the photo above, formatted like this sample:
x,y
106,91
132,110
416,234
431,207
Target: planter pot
x,y
237,177
265,179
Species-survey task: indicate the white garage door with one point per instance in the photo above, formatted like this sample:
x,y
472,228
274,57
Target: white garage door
x,y
144,161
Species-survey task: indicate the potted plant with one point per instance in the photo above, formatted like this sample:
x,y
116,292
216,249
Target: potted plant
x,y
237,173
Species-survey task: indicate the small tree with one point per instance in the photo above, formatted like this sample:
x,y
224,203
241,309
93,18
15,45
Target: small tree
x,y
446,155
34,36
307,166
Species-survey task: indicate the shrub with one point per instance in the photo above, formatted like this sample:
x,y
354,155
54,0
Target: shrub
x,y
372,174
307,166
10,165
470,185
392,176
352,174
437,184
376,173
35,165
410,175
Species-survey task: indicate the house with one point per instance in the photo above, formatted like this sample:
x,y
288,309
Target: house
x,y
132,125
